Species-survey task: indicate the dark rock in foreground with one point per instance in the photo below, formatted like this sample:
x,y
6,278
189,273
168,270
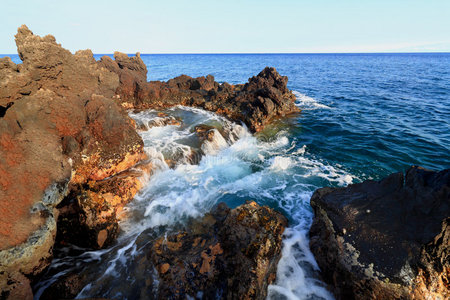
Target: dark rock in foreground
x,y
232,254
227,254
385,240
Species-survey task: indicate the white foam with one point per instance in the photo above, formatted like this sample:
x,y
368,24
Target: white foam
x,y
280,163
287,178
215,145
307,103
277,172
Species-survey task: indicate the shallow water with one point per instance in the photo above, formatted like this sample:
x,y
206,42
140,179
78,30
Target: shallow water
x,y
363,117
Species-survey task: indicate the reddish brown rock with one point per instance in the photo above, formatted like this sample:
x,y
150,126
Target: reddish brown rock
x,y
89,216
59,127
132,74
264,98
385,240
62,132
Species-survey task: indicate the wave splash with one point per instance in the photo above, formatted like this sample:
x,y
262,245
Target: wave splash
x,y
234,167
277,172
307,103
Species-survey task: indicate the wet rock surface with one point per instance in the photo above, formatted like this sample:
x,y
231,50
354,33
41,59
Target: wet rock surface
x,y
162,120
386,239
89,216
227,254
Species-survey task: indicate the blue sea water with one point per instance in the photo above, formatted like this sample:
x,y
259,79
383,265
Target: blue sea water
x,y
363,116
386,111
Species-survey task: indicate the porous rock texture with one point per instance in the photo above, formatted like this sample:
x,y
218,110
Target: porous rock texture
x,y
387,239
59,128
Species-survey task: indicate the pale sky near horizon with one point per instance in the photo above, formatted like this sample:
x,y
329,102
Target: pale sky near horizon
x,y
246,26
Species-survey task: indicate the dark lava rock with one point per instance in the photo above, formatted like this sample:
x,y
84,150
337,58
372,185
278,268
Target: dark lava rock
x,y
387,239
227,254
59,128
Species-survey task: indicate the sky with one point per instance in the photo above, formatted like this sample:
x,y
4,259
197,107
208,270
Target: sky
x,y
246,26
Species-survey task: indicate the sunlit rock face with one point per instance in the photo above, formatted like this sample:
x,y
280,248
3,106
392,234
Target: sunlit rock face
x,y
385,239
67,144
262,99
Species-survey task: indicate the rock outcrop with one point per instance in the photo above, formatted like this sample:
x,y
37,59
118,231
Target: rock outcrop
x,y
67,145
227,254
89,216
387,239
256,103
59,128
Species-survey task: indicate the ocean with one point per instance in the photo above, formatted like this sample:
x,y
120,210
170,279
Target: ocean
x,y
363,117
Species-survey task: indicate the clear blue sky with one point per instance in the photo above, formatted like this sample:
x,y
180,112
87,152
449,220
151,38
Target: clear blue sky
x,y
194,26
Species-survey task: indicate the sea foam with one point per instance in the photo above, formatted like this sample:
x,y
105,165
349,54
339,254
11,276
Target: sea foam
x,y
307,103
236,166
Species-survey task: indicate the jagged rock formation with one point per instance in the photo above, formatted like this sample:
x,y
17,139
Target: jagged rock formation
x,y
385,240
59,128
227,254
255,103
66,146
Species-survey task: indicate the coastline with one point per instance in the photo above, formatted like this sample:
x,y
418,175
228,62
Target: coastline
x,y
96,154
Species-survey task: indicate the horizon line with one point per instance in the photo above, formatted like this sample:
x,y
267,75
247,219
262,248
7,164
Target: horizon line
x,y
259,53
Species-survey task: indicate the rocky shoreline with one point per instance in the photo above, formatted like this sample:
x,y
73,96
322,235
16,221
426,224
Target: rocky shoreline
x,y
71,158
90,158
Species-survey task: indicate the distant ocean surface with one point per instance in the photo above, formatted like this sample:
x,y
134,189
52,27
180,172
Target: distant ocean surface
x,y
363,116
373,114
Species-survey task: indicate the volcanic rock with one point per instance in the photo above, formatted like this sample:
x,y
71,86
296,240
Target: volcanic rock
x,y
387,239
264,98
227,254
59,128
89,216
231,253
65,139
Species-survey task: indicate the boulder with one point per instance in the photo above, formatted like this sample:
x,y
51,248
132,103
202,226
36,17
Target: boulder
x,y
385,239
89,216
